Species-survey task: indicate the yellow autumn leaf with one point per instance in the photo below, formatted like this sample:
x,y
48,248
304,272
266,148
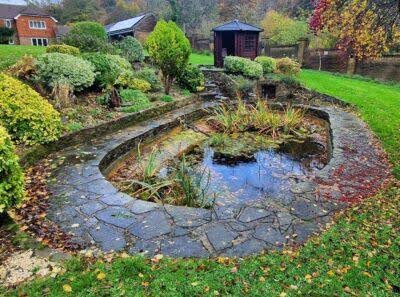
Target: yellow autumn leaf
x,y
367,274
67,288
331,273
101,276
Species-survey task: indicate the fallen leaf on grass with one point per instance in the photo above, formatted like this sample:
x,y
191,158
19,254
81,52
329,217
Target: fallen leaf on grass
x,y
67,288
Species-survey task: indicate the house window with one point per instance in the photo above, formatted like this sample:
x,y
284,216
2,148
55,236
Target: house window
x,y
8,23
37,25
40,41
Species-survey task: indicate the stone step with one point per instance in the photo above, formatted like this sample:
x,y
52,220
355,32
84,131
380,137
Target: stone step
x,y
208,95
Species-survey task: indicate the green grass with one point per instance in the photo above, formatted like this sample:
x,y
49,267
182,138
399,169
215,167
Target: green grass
x,y
359,255
201,59
9,54
378,104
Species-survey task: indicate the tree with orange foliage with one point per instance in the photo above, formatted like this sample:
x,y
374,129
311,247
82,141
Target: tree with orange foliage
x,y
364,28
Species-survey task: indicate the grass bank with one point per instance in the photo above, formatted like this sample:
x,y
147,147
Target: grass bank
x,y
378,103
9,54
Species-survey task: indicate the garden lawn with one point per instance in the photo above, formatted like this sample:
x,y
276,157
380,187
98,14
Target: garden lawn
x,y
201,59
378,104
359,256
9,54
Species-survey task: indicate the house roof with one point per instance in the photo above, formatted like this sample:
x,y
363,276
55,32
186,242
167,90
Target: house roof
x,y
10,11
237,25
123,26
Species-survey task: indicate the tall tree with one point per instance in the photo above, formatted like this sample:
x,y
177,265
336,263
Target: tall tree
x,y
245,10
365,28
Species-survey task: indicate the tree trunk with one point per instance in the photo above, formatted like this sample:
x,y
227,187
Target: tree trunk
x,y
168,80
115,100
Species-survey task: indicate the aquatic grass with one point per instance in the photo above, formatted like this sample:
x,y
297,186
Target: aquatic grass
x,y
292,119
245,117
194,185
148,165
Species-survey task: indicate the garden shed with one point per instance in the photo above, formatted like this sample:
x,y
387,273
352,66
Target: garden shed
x,y
139,27
235,39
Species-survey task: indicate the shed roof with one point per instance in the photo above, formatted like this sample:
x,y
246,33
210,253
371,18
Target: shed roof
x,y
237,25
123,26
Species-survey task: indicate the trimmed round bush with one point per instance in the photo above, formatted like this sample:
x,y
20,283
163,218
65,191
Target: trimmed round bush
x,y
121,62
11,176
149,75
28,117
131,49
87,36
169,50
268,64
243,66
191,78
287,66
55,68
63,49
107,69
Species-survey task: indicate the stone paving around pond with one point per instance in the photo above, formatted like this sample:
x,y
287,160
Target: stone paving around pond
x,y
87,206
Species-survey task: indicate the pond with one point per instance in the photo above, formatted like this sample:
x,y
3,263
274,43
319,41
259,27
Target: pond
x,y
265,172
194,160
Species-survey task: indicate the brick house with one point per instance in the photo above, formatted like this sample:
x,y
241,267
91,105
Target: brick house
x,y
32,26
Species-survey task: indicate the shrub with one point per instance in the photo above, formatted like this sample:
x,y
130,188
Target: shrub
x,y
137,98
244,85
149,75
167,98
128,80
131,49
139,84
169,49
25,68
243,66
6,34
88,37
191,78
287,66
121,62
25,114
106,68
11,176
268,64
283,30
55,68
63,49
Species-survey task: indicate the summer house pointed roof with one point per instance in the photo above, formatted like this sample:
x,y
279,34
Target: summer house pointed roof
x,y
237,25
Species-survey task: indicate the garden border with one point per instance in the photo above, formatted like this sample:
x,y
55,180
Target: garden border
x,y
34,154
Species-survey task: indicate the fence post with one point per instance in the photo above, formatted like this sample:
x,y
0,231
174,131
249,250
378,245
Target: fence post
x,y
351,66
302,48
267,47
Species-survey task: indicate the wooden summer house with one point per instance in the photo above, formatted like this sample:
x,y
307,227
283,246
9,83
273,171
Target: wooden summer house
x,y
235,39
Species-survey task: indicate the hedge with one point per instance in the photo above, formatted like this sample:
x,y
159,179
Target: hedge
x,y
243,66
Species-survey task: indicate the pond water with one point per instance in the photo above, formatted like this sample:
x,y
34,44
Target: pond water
x,y
266,172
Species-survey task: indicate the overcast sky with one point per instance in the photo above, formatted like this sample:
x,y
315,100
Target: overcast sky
x,y
12,1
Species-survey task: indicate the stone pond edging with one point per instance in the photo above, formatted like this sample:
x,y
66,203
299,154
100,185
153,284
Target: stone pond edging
x,y
38,152
87,206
